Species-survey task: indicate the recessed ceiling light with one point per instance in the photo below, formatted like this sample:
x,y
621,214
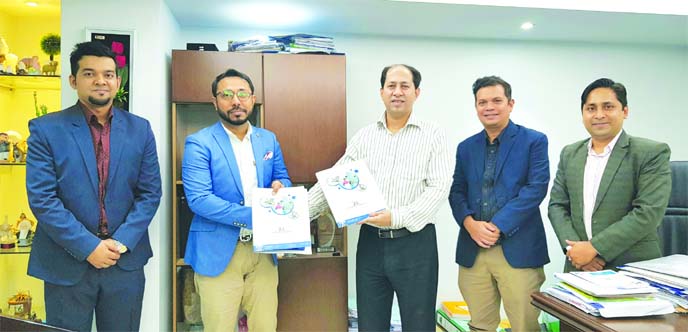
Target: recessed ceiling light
x,y
31,4
527,25
269,14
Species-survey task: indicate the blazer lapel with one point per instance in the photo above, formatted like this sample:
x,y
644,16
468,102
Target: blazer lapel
x,y
479,155
225,146
506,143
84,140
617,156
258,155
117,142
578,160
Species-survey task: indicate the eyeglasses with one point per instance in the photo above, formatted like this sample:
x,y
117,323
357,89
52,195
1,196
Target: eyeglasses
x,y
229,94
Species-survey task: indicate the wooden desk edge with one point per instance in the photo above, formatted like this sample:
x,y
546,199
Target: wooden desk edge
x,y
567,313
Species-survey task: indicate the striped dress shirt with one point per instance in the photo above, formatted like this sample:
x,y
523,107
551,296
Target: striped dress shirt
x,y
412,167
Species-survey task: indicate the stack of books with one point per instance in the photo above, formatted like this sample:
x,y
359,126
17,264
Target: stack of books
x,y
668,275
255,45
453,316
305,43
609,294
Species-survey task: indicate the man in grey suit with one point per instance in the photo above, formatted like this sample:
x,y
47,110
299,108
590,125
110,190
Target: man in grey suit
x,y
611,190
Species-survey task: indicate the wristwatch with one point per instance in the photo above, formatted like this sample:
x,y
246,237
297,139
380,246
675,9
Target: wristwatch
x,y
120,247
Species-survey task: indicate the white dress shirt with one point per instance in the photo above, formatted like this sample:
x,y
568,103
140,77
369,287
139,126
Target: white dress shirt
x,y
243,153
412,168
594,169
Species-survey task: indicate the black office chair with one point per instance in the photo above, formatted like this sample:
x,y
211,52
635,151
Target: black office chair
x,y
673,232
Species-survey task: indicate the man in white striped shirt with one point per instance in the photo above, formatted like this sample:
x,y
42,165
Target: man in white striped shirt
x,y
397,248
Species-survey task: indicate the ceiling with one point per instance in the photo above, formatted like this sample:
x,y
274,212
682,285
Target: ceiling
x,y
446,19
18,8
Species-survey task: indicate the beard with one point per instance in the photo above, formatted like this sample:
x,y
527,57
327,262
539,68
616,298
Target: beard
x,y
99,102
238,122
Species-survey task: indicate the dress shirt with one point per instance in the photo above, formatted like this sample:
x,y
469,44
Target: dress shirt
x,y
100,133
246,162
489,206
594,169
412,168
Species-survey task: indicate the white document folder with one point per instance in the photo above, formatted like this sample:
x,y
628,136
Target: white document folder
x,y
351,192
280,222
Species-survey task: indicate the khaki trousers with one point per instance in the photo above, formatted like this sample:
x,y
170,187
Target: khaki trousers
x,y
249,284
492,279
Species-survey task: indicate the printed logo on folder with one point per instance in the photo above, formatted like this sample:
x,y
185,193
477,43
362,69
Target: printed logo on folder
x,y
351,192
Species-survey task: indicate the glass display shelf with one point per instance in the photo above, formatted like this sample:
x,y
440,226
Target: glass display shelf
x,y
11,163
50,82
16,250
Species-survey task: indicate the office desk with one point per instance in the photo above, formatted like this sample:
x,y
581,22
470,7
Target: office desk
x,y
14,324
573,319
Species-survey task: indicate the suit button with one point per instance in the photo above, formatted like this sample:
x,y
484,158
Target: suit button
x,y
242,202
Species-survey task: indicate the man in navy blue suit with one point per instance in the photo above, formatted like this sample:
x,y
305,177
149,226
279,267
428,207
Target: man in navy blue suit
x,y
500,179
93,183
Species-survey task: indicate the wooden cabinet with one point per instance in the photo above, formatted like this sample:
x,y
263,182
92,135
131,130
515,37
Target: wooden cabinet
x,y
302,99
194,71
305,102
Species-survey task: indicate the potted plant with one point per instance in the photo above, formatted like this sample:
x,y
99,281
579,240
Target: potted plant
x,y
50,44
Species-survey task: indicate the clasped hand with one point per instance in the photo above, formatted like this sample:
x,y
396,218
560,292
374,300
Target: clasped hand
x,y
106,254
484,233
583,256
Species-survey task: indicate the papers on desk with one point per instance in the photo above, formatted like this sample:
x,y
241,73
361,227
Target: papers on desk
x,y
674,265
280,222
610,307
666,274
606,283
351,192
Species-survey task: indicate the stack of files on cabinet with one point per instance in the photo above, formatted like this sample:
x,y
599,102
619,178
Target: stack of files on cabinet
x,y
301,42
255,45
668,275
609,294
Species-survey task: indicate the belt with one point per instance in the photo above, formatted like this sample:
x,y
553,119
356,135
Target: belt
x,y
245,238
392,233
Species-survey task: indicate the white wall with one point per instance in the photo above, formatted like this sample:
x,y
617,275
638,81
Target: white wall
x,y
547,80
154,28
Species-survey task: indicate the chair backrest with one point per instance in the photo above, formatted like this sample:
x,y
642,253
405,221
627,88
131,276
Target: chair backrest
x,y
673,232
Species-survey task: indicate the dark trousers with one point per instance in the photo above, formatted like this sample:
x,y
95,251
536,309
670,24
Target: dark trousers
x,y
407,266
115,295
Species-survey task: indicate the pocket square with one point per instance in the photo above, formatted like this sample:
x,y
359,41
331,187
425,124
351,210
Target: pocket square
x,y
268,155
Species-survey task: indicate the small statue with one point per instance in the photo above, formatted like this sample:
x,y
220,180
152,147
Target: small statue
x,y
4,146
19,152
20,305
50,68
7,238
24,228
33,67
21,68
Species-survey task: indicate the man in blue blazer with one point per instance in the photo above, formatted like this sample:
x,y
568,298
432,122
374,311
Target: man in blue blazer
x,y
222,164
500,179
93,183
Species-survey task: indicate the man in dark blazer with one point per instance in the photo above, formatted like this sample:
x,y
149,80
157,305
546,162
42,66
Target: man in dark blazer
x,y
500,179
611,190
93,183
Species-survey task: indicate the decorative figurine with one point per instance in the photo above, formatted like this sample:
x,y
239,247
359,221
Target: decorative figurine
x,y
20,305
24,229
4,146
7,238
